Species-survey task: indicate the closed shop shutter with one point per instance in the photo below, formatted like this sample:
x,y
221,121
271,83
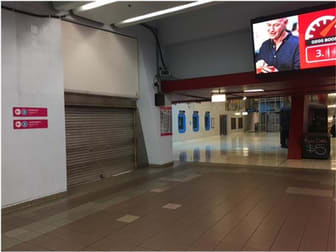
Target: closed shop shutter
x,y
99,143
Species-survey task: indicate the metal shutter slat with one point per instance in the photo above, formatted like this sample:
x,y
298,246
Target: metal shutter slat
x,y
99,141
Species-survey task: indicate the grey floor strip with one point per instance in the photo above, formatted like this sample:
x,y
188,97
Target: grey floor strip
x,y
310,191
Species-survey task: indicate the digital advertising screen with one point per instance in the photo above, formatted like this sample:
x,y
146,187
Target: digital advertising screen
x,y
295,42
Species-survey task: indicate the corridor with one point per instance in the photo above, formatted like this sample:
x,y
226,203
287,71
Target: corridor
x,y
260,149
187,207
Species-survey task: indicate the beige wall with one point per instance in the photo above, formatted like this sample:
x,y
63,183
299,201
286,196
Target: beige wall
x,y
99,62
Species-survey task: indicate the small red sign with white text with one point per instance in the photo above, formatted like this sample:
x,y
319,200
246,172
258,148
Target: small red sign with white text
x,y
30,124
166,121
29,111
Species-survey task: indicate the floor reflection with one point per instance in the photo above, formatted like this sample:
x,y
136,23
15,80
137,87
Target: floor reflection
x,y
196,154
208,153
183,156
246,149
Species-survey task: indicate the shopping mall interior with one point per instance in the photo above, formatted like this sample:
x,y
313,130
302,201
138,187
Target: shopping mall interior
x,y
252,133
168,125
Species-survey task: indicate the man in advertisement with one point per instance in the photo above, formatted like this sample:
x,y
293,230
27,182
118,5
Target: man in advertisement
x,y
281,51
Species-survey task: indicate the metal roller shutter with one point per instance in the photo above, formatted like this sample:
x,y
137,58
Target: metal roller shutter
x,y
99,143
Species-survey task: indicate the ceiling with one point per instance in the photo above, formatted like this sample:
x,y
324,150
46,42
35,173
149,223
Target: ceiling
x,y
37,8
223,17
108,14
232,15
199,22
119,11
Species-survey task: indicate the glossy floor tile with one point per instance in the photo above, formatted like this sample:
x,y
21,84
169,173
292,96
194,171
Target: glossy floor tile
x,y
171,206
260,149
310,191
128,218
202,207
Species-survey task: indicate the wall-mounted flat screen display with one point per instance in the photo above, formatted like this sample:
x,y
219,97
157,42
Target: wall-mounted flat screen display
x,y
295,41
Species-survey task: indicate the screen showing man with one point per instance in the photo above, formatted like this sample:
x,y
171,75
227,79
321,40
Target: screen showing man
x,y
278,47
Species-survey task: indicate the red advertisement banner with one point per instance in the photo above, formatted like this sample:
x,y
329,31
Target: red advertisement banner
x,y
30,124
317,38
29,111
166,121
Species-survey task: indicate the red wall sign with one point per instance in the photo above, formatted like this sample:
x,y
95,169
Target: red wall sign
x,y
24,111
166,121
30,124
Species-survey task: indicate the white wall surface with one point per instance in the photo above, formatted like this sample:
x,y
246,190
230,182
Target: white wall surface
x,y
99,62
159,148
33,160
215,109
214,56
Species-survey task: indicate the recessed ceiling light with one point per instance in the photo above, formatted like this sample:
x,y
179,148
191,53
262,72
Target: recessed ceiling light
x,y
244,98
245,113
95,4
253,90
218,98
150,16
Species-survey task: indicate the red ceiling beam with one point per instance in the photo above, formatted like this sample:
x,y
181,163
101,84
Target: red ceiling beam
x,y
308,78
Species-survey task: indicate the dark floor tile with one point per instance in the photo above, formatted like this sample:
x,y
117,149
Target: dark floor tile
x,y
239,236
99,224
27,246
142,248
10,222
166,241
292,231
112,243
332,233
52,242
262,239
81,238
317,229
220,211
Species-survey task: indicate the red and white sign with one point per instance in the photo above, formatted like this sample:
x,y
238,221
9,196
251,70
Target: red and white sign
x,y
166,121
317,34
29,111
30,124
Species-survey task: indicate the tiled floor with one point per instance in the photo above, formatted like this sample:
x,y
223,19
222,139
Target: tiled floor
x,y
201,208
262,149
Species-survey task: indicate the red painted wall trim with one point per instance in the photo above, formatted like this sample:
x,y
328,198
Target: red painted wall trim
x,y
166,134
310,77
323,99
298,126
